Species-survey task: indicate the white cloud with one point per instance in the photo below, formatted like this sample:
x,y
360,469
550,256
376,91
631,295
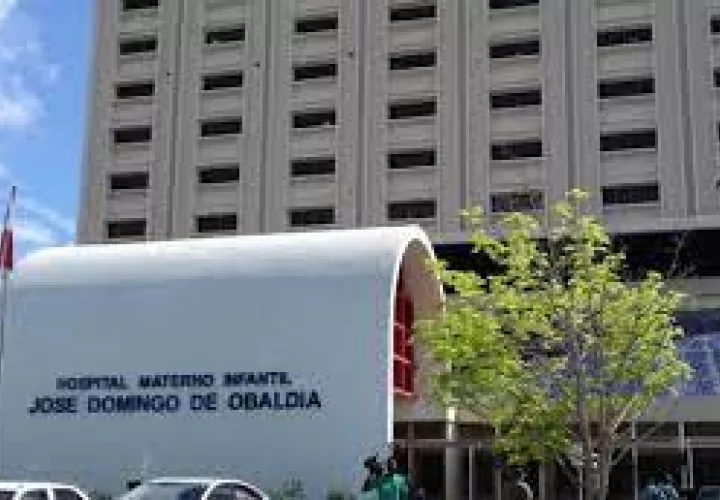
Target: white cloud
x,y
25,77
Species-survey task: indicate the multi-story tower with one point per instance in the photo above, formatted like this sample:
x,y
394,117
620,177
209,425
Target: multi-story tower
x,y
244,116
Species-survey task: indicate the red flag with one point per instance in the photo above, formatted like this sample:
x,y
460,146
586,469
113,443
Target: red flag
x,y
6,240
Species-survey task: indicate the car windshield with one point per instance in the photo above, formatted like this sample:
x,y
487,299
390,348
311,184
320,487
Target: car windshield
x,y
165,491
7,494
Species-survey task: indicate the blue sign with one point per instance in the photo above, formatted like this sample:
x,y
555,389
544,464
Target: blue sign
x,y
163,394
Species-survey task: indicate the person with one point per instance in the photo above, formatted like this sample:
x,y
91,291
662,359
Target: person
x,y
393,485
517,487
374,475
667,486
652,491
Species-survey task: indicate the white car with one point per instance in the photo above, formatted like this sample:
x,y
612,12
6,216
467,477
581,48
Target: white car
x,y
184,488
22,490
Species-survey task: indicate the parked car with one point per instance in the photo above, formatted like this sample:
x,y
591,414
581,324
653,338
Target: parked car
x,y
184,488
24,490
710,492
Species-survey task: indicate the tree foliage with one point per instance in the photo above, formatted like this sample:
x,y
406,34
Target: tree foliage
x,y
556,350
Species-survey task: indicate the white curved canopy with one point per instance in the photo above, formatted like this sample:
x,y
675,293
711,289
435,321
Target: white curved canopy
x,y
316,307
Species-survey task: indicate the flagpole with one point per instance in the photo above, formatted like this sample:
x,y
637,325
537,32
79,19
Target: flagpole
x,y
6,265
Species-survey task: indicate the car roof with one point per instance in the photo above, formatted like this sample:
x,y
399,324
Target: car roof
x,y
198,480
16,485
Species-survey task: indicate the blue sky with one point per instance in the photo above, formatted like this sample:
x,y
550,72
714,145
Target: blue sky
x,y
44,57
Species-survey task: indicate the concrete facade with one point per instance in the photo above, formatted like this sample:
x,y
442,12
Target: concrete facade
x,y
438,105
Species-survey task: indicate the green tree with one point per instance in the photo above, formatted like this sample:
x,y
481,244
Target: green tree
x,y
555,348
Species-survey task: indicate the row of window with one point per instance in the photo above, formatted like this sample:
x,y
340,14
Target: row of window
x,y
298,217
530,200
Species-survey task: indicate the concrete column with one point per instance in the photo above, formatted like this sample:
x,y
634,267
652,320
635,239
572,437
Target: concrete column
x,y
452,459
471,473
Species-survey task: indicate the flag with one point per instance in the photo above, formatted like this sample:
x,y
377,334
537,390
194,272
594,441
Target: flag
x,y
6,240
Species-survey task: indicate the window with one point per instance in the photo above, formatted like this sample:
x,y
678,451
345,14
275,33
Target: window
x,y
233,492
227,34
515,99
315,71
625,36
66,494
317,24
413,60
39,494
214,128
301,217
312,119
134,90
412,159
216,223
631,194
137,46
412,13
716,77
132,135
521,201
511,4
312,166
625,88
229,80
515,48
139,4
530,148
715,25
411,210
129,181
637,139
412,109
127,228
221,174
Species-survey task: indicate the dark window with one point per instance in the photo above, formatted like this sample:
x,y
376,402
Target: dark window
x,y
716,77
140,4
715,25
631,194
232,492
411,159
315,71
312,166
624,88
312,119
219,174
625,36
638,139
128,228
229,80
301,217
413,12
531,148
412,109
216,223
515,99
66,494
129,180
133,90
228,34
132,135
511,4
517,202
413,60
407,210
515,48
38,494
211,128
137,46
316,24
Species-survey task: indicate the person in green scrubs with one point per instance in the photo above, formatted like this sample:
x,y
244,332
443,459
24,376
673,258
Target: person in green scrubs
x,y
393,484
